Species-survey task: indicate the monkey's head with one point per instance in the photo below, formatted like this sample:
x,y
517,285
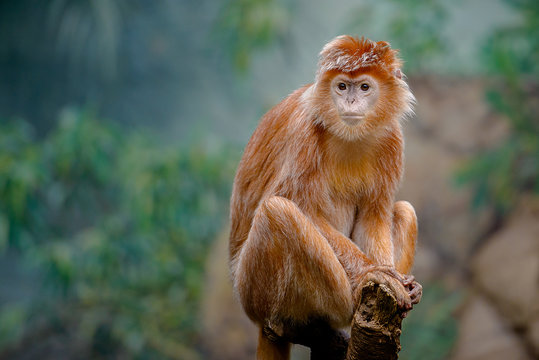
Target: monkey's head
x,y
359,89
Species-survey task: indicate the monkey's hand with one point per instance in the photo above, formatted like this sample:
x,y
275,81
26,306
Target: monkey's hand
x,y
407,291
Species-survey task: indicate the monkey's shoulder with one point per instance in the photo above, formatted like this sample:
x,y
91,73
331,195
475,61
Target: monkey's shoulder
x,y
276,134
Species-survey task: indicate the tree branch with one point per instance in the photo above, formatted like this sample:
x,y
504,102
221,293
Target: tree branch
x,y
376,326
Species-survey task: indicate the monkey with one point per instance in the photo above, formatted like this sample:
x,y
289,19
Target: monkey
x,y
312,212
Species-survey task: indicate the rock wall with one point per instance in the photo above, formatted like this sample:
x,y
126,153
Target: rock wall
x,y
498,270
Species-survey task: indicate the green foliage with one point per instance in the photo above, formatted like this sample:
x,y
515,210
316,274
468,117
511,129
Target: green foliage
x,y
247,25
501,174
515,50
431,330
119,226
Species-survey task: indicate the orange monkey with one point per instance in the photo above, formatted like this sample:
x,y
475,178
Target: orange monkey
x,y
312,210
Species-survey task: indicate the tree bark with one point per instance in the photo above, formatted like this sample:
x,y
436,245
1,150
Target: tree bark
x,y
376,326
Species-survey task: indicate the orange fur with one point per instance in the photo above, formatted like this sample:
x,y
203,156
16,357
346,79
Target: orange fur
x,y
313,199
271,350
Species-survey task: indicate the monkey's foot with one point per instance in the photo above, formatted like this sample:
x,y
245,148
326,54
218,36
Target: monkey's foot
x,y
406,290
376,326
415,290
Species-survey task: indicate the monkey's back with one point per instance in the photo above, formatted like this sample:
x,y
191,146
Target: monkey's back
x,y
259,167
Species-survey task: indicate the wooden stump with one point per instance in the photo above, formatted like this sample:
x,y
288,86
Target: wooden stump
x,y
376,326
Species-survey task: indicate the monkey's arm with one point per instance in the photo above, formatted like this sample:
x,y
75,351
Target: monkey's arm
x,y
353,260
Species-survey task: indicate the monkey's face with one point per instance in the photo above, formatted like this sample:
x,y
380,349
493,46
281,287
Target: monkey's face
x,y
361,105
353,101
354,98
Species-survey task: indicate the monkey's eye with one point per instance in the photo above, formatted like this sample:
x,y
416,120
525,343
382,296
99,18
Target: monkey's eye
x,y
342,86
365,87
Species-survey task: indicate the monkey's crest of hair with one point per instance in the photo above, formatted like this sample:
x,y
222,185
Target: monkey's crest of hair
x,y
348,54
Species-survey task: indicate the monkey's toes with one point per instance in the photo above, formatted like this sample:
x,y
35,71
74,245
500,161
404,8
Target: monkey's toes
x,y
394,281
415,290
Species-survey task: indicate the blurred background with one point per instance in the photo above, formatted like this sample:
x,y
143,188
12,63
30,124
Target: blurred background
x,y
122,123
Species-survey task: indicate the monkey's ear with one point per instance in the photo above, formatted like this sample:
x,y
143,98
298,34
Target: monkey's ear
x,y
397,73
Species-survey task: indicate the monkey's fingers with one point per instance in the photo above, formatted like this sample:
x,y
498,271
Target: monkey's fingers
x,y
416,292
408,280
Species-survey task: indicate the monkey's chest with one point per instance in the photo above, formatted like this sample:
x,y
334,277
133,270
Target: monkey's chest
x,y
348,180
347,186
342,216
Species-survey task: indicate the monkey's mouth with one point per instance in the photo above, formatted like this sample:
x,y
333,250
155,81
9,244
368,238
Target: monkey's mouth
x,y
352,118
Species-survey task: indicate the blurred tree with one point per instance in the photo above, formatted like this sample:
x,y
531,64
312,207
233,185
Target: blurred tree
x,y
131,60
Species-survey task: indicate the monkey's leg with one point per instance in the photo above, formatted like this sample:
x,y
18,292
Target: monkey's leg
x,y
271,347
387,233
404,241
287,274
404,235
